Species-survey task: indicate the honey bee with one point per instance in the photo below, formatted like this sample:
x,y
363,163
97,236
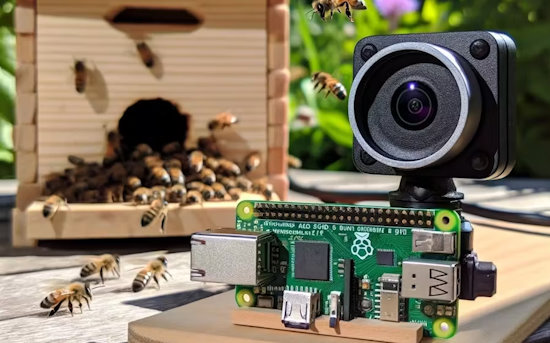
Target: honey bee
x,y
243,183
171,148
157,211
219,190
76,160
158,192
177,193
192,197
159,175
133,183
176,176
195,185
262,187
229,168
196,161
209,146
235,193
222,120
152,161
141,150
325,80
207,176
152,270
73,292
141,196
80,76
321,7
228,183
113,149
252,161
172,163
207,192
52,204
106,262
294,162
114,193
146,54
212,163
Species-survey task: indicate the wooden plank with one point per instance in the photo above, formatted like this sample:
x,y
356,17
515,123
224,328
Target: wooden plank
x,y
280,184
278,23
24,137
26,194
278,55
25,77
25,48
277,111
26,166
123,220
277,162
18,233
26,3
278,136
360,328
231,44
24,19
25,107
278,83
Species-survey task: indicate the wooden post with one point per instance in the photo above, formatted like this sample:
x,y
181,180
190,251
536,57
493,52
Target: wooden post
x,y
278,31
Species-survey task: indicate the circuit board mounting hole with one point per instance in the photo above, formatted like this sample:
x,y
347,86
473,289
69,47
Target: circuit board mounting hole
x,y
444,326
445,220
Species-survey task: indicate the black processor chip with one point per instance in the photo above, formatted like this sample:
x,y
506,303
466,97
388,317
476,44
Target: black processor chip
x,y
311,260
385,257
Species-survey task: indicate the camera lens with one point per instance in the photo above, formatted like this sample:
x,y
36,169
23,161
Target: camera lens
x,y
414,105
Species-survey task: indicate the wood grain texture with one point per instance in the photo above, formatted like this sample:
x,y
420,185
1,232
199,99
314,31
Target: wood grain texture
x,y
26,194
278,23
278,83
280,185
25,77
509,316
24,137
360,328
24,18
123,220
26,164
277,111
278,55
26,3
25,107
278,136
18,232
25,48
217,67
277,162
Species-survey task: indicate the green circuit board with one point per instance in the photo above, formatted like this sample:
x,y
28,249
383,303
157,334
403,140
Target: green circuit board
x,y
383,263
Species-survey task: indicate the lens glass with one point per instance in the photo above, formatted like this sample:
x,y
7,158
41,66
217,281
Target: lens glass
x,y
414,105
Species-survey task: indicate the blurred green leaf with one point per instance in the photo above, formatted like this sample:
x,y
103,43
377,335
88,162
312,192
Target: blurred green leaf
x,y
7,95
337,127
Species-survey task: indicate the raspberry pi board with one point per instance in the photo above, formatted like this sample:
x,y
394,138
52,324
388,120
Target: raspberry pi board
x,y
343,261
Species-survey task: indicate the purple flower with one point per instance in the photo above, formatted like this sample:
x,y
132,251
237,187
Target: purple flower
x,y
396,8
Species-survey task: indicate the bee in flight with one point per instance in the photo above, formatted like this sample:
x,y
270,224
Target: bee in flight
x,y
106,262
322,7
222,120
73,292
325,80
80,76
146,54
52,204
252,161
154,269
157,210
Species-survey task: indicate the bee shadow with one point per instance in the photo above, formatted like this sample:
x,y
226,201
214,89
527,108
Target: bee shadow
x,y
170,301
123,290
96,91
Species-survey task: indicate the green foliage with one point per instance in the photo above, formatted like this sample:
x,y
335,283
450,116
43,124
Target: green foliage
x,y
328,46
7,88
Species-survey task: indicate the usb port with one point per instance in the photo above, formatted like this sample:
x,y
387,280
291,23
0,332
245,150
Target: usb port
x,y
231,256
300,309
430,280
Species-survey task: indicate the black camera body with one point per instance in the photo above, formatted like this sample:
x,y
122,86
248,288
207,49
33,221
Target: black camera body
x,y
434,105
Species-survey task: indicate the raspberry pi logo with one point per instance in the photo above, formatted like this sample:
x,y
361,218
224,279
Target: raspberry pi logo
x,y
362,247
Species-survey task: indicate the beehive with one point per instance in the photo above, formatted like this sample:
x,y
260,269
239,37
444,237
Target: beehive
x,y
234,56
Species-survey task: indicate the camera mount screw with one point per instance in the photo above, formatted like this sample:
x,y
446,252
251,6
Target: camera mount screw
x,y
479,49
367,159
368,51
480,161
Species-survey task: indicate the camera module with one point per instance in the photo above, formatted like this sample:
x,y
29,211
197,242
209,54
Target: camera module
x,y
414,105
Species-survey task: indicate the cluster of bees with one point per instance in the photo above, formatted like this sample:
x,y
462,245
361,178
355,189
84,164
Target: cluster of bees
x,y
81,291
156,178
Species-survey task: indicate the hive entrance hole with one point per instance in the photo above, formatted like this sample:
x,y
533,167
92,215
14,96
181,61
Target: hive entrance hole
x,y
155,122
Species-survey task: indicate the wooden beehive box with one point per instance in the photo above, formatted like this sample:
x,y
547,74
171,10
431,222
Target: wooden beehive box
x,y
235,58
